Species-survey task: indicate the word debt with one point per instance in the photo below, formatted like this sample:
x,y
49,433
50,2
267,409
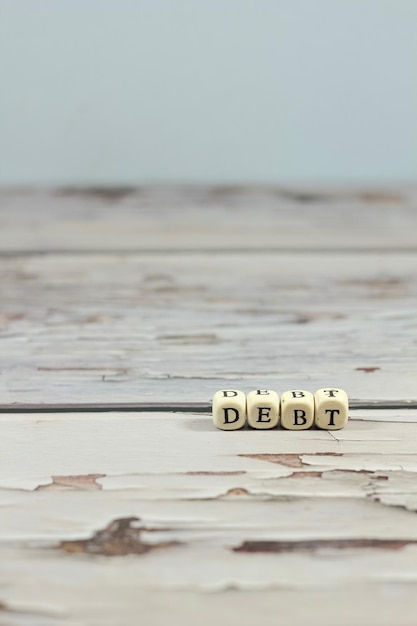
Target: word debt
x,y
294,410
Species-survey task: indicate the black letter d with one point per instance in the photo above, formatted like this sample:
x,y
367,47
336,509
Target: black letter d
x,y
226,415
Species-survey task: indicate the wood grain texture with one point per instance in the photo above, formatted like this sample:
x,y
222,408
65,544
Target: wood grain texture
x,y
169,508
166,295
134,328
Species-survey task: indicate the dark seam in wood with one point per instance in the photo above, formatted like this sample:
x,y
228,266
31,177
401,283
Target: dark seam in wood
x,y
173,407
279,547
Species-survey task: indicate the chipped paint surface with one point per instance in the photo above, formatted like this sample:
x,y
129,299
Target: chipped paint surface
x,y
289,460
119,538
67,333
277,547
153,303
88,481
142,295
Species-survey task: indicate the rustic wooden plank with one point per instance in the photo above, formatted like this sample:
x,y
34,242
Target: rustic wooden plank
x,y
297,524
138,510
190,445
213,218
134,328
231,478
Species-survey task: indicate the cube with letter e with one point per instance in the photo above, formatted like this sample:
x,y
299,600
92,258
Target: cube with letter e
x,y
262,406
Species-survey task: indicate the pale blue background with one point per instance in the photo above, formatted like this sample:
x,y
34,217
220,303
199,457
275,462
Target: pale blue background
x,y
126,92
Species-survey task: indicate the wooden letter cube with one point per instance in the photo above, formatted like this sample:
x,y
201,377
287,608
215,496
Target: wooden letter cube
x,y
262,407
297,409
332,406
229,409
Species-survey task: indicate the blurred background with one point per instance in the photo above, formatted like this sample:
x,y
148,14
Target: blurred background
x,y
130,92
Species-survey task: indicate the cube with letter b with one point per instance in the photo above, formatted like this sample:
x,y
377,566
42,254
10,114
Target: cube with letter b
x,y
229,409
297,409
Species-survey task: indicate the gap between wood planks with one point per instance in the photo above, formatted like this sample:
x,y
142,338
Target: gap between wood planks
x,y
173,407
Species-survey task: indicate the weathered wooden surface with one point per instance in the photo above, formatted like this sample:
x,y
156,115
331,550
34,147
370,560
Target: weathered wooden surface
x,y
113,518
140,327
143,510
211,218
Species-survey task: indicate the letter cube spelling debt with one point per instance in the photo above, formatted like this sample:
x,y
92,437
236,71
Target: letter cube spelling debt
x,y
297,409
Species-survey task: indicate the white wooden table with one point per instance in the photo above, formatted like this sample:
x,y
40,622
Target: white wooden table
x,y
122,312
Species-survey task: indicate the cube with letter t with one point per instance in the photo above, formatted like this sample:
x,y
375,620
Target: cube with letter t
x,y
331,408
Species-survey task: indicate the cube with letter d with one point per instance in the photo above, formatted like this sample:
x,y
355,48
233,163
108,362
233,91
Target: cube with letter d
x,y
229,409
